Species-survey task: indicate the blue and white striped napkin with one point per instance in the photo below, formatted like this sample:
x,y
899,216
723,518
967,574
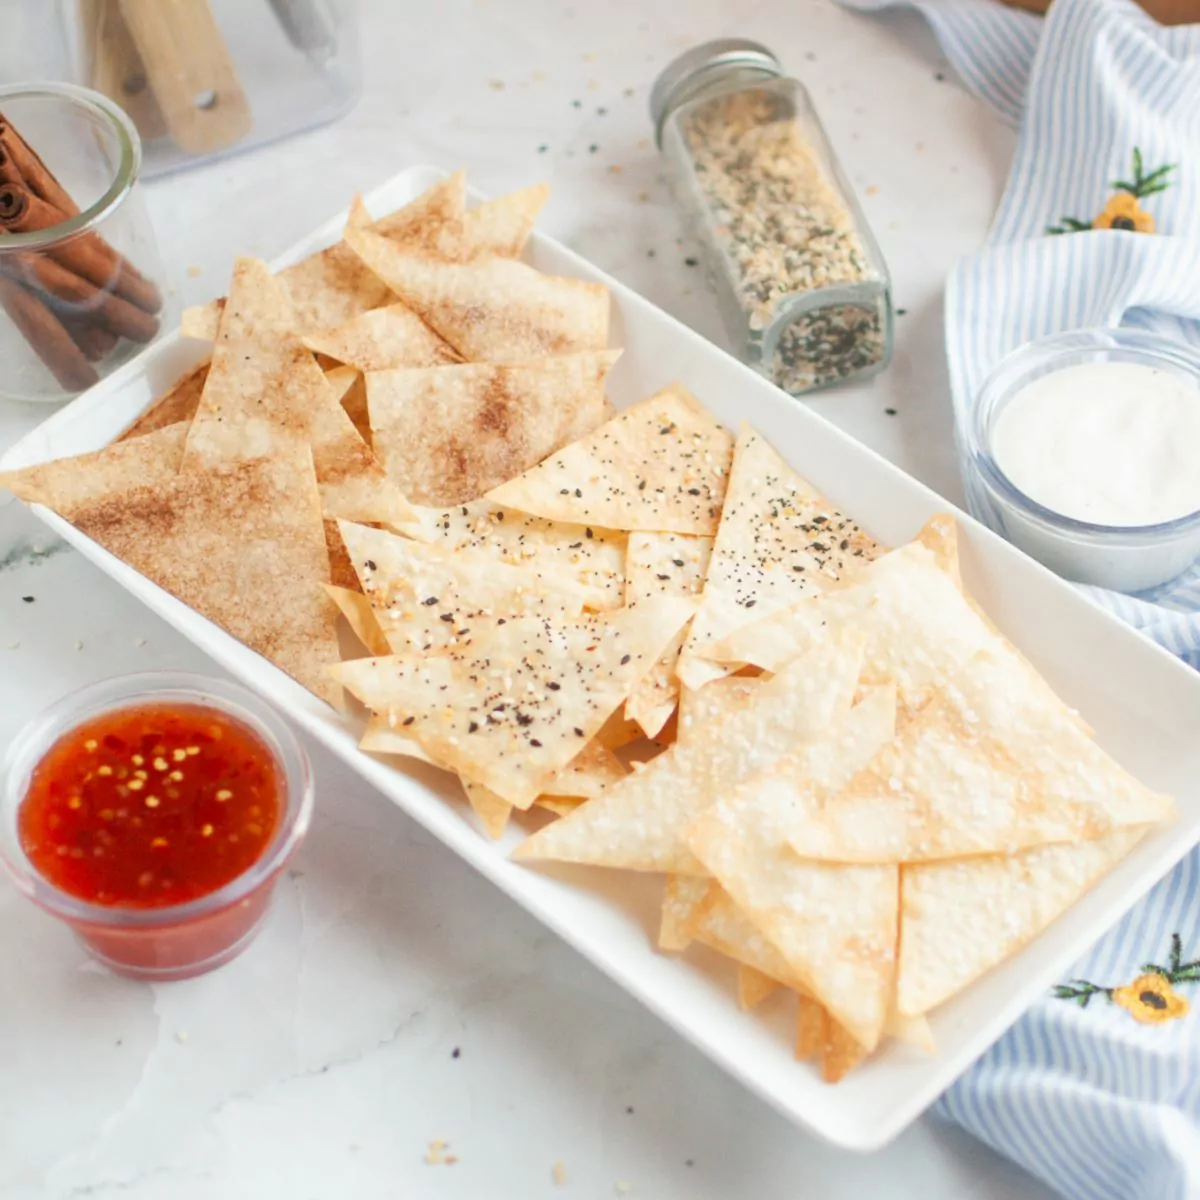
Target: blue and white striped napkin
x,y
1097,1089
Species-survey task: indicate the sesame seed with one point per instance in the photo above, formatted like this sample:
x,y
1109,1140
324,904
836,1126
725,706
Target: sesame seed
x,y
224,794
206,831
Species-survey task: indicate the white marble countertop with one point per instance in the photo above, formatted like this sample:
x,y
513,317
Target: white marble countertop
x,y
394,998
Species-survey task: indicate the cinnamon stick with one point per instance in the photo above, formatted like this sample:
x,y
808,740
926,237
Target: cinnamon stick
x,y
47,337
64,291
9,172
36,175
94,340
88,254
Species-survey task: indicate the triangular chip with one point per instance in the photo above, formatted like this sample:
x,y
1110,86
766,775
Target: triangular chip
x,y
960,918
356,608
992,764
835,926
588,774
241,543
587,555
428,599
491,309
810,1028
326,289
67,484
178,403
392,336
779,541
754,987
671,564
502,226
919,627
639,823
448,434
433,220
660,465
493,811
682,898
382,737
265,392
512,706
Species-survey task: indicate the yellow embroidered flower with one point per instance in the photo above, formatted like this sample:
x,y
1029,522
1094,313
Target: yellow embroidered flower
x,y
1124,212
1151,999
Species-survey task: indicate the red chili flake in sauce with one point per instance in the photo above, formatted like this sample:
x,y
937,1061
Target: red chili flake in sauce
x,y
151,806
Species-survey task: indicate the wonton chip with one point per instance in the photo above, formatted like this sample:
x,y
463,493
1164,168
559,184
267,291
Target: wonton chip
x,y
66,484
960,918
514,704
448,434
682,898
392,336
356,608
659,465
502,226
265,391
779,540
992,764
662,564
430,600
433,221
493,811
919,627
835,926
639,823
328,288
491,309
178,404
587,775
590,556
380,738
241,543
754,987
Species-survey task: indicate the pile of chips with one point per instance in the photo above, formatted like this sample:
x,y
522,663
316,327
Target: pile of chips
x,y
647,638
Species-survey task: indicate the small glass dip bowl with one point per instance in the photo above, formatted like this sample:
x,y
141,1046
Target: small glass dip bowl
x,y
173,941
1129,558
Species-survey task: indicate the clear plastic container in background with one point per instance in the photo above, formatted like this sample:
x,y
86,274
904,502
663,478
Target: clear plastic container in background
x,y
801,283
206,78
83,294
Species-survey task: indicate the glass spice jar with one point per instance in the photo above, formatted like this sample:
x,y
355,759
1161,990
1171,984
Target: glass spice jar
x,y
803,289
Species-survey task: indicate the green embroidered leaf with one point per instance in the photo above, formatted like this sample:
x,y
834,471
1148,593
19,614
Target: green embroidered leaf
x,y
1152,190
1121,185
1137,163
1176,952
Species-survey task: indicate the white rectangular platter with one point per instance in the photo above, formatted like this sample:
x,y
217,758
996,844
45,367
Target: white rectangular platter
x,y
1143,704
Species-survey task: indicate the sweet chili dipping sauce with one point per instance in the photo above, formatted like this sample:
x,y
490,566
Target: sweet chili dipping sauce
x,y
157,829
150,806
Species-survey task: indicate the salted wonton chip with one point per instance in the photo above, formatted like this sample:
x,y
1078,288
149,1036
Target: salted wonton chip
x,y
265,391
587,555
659,465
992,764
670,564
491,309
513,705
754,987
779,541
639,824
920,628
356,608
835,926
449,434
960,918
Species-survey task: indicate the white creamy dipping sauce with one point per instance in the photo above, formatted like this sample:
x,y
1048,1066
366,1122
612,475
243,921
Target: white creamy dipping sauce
x,y
1112,443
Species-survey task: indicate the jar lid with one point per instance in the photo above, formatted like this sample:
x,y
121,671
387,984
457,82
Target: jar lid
x,y
686,76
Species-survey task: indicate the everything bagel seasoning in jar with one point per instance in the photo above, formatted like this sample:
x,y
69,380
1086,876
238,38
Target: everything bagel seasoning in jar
x,y
802,286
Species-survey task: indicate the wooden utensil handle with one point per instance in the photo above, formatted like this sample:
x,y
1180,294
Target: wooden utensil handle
x,y
188,64
113,66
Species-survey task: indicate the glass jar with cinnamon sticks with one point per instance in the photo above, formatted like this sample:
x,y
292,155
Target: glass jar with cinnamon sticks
x,y
80,276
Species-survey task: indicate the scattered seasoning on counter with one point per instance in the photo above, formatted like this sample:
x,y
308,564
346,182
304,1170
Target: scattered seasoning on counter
x,y
27,599
456,1052
559,1174
543,148
891,412
902,312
